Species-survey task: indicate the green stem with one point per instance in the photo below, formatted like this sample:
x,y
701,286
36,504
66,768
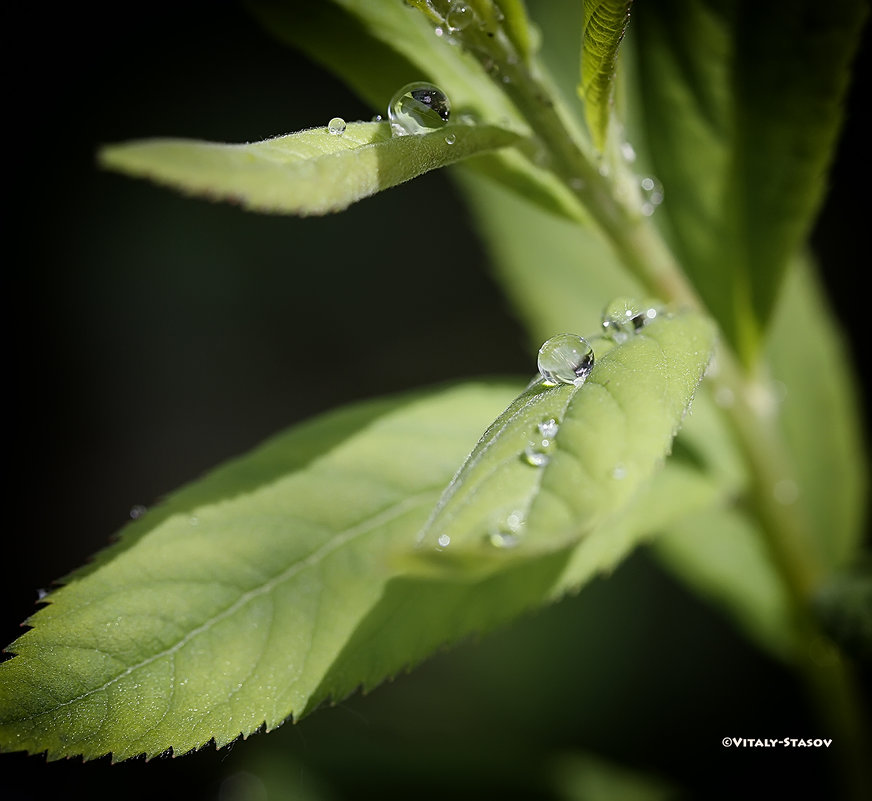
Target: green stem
x,y
753,419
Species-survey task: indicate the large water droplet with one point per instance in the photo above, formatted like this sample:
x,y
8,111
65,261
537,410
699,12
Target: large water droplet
x,y
565,359
623,317
418,108
336,126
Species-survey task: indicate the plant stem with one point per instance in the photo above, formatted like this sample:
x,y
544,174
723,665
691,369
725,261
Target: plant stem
x,y
752,417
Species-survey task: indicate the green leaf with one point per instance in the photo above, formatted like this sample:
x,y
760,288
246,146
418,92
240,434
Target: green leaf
x,y
721,553
593,447
379,46
280,580
738,105
815,381
221,609
605,22
309,172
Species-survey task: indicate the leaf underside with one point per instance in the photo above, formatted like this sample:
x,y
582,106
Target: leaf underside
x,y
291,576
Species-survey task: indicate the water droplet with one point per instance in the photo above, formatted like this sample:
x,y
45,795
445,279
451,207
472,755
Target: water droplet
x,y
623,317
418,108
377,118
628,152
535,456
137,511
193,520
565,359
460,16
652,194
443,541
508,534
336,126
438,30
619,472
450,139
503,539
41,594
548,428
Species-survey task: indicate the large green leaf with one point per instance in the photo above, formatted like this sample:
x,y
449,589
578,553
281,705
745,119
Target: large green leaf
x,y
220,610
605,22
562,459
281,580
310,172
736,106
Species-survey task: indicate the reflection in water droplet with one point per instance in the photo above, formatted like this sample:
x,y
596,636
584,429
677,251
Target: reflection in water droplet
x,y
450,139
565,359
336,126
652,195
137,511
623,317
418,108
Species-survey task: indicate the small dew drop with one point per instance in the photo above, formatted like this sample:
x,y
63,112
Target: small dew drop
x,y
41,594
443,541
377,118
503,539
336,126
438,30
193,520
137,511
535,456
548,428
418,108
623,317
460,16
450,139
652,194
619,472
565,359
628,152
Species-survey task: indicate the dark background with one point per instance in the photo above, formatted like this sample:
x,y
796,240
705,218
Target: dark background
x,y
151,337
